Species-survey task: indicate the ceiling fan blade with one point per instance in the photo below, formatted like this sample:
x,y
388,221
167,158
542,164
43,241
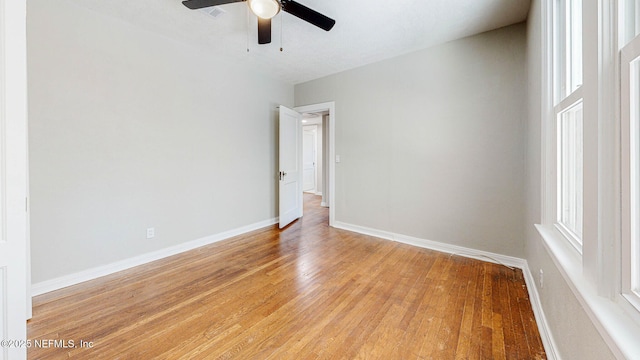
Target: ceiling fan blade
x,y
264,30
199,4
308,15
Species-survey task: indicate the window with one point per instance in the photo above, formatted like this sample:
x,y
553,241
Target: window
x,y
567,47
567,75
570,173
591,159
630,20
630,155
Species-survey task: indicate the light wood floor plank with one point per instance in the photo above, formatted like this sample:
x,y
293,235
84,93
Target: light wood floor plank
x,y
305,292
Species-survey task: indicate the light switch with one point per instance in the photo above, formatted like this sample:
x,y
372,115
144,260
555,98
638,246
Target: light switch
x,y
337,158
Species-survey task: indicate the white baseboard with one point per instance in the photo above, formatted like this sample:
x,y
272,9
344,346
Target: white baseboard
x,y
550,346
435,245
93,273
543,326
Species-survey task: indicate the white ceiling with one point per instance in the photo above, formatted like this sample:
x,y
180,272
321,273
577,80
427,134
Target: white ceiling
x,y
365,31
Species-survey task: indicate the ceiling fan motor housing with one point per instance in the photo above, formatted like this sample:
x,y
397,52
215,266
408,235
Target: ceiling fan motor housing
x,y
266,9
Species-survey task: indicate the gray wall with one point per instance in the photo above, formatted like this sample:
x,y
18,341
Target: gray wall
x,y
130,130
432,143
575,335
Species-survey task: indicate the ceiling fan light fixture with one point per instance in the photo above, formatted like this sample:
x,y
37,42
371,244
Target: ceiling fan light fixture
x,y
265,9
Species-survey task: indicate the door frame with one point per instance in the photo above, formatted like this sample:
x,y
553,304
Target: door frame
x,y
331,186
14,281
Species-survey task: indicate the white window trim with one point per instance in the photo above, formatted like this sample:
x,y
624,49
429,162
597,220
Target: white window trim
x,y
618,330
593,278
629,112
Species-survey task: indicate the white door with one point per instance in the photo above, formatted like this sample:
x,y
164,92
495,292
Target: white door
x,y
308,158
290,164
13,155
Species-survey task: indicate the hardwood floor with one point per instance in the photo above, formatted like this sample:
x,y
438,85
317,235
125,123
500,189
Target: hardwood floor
x,y
307,292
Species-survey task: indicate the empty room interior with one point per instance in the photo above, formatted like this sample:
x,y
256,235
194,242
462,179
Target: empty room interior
x,y
339,179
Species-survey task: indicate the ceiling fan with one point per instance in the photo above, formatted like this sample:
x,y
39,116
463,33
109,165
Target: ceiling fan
x,y
266,9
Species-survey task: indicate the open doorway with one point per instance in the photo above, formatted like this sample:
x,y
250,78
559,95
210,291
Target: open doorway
x,y
318,127
313,157
312,154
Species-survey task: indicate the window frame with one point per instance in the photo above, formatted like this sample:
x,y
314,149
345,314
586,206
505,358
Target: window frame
x,y
593,276
567,93
630,172
572,235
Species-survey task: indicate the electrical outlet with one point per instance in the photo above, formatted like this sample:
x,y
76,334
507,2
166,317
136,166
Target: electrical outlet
x,y
541,278
151,232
